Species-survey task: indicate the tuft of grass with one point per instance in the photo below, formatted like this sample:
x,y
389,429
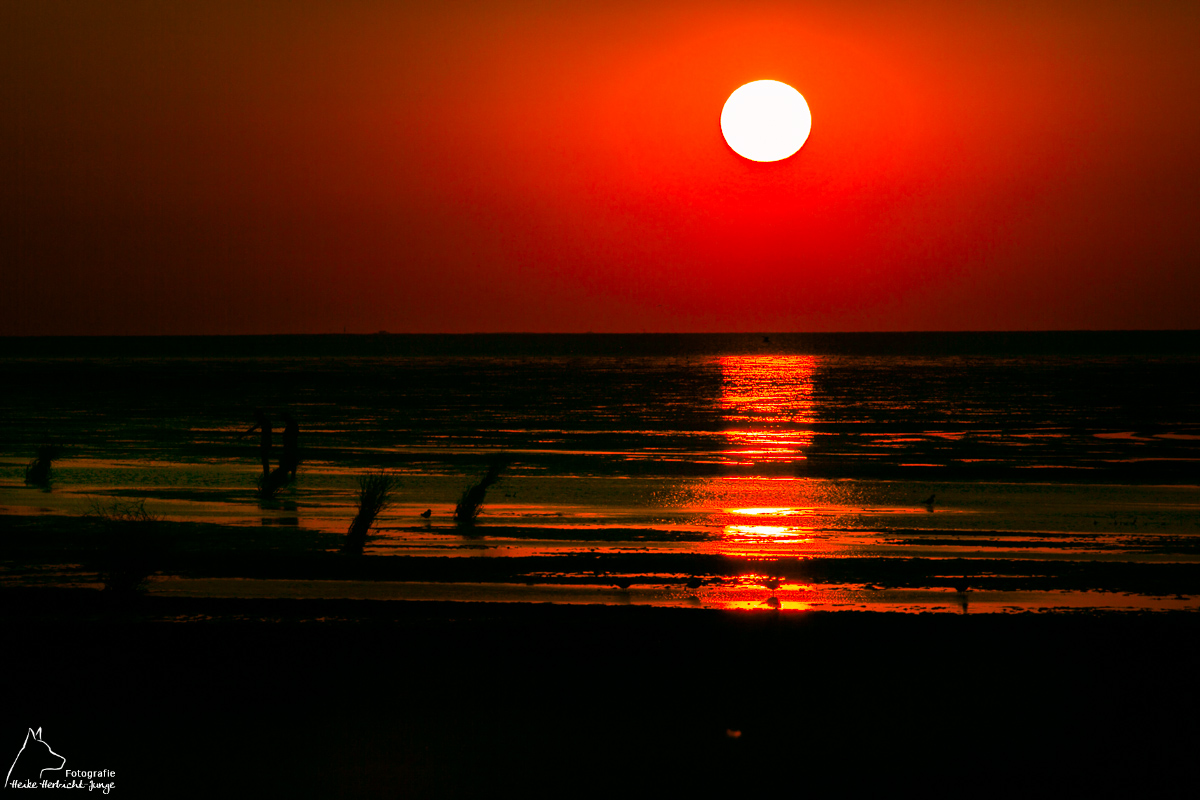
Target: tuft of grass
x,y
374,495
132,546
121,513
270,485
39,471
471,502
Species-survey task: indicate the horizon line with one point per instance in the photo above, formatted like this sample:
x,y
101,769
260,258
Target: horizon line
x,y
1005,331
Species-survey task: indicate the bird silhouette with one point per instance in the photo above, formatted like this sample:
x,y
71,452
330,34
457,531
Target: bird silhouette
x,y
928,503
772,584
961,593
427,513
694,582
623,583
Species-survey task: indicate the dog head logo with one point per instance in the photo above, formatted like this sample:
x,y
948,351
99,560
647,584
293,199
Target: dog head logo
x,y
34,758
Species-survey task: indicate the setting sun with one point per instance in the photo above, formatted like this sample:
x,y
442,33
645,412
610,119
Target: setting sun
x,y
766,121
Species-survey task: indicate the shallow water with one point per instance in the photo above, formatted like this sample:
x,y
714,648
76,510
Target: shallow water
x,y
741,594
767,456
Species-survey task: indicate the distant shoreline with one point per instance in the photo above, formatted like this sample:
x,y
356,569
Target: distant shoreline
x,y
384,344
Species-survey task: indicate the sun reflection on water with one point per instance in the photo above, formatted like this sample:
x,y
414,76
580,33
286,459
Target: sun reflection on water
x,y
769,511
767,402
774,533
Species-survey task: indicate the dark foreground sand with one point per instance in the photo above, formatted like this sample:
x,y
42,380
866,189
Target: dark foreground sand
x,y
391,699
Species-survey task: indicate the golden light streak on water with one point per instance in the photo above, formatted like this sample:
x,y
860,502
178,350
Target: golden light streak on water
x,y
766,401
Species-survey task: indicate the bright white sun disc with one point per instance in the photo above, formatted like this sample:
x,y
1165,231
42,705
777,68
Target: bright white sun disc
x,y
766,121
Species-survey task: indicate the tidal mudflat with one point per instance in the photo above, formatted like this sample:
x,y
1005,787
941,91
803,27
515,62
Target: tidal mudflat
x,y
718,559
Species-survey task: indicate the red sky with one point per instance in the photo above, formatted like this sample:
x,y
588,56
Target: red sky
x,y
289,167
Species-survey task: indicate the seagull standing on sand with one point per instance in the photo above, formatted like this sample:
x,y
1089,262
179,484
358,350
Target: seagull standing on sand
x,y
962,592
264,449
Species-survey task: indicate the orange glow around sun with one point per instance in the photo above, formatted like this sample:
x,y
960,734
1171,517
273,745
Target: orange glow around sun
x,y
404,147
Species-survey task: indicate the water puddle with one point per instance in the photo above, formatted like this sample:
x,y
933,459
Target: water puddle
x,y
741,595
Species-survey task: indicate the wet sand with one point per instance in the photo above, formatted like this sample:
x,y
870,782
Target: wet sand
x,y
246,669
193,559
